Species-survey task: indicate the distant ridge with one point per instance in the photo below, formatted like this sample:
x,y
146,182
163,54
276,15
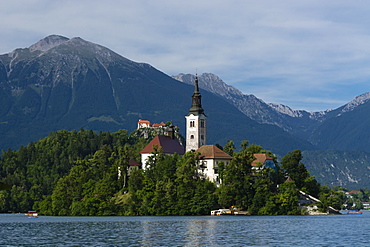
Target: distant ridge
x,y
61,83
323,129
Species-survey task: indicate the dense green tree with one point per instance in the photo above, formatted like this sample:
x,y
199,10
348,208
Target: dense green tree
x,y
86,173
135,186
236,188
296,170
229,148
287,198
186,181
329,197
264,190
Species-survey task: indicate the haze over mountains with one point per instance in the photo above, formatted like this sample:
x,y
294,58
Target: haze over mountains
x,y
60,83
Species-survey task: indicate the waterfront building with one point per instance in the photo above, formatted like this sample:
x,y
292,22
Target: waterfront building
x,y
209,160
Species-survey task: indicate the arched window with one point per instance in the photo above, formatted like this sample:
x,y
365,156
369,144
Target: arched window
x,y
192,137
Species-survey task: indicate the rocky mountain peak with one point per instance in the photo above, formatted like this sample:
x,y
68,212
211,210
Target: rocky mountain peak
x,y
286,110
358,100
209,82
48,43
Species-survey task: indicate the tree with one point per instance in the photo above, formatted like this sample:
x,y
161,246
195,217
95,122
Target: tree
x,y
229,148
296,170
135,186
329,197
264,190
122,164
287,198
186,179
236,188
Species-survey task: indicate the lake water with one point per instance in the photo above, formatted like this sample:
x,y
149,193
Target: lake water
x,y
327,230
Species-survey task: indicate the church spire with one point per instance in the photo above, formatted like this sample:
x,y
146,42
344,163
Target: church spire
x,y
196,121
196,105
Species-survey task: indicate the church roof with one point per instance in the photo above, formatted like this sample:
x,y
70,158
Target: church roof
x,y
212,152
169,145
260,159
133,163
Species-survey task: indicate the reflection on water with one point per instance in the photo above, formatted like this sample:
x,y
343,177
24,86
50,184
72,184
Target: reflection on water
x,y
342,230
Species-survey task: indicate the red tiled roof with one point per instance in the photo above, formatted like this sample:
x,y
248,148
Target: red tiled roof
x,y
260,159
133,163
212,152
159,125
355,191
168,145
144,121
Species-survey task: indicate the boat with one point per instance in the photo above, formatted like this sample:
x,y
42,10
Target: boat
x,y
222,212
226,211
32,214
354,211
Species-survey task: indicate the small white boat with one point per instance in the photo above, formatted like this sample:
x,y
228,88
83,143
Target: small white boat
x,y
32,214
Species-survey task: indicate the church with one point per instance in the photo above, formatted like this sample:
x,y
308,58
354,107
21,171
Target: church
x,y
196,139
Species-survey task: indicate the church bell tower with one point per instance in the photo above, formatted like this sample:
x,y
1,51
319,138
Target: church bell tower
x,y
196,122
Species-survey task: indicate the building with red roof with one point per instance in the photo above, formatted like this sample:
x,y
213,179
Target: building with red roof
x,y
143,124
263,160
169,145
160,125
210,157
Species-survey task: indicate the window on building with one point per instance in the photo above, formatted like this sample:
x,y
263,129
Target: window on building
x,y
202,137
202,123
192,123
192,137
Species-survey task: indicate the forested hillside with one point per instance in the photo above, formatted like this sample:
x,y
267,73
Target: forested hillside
x,y
349,169
85,173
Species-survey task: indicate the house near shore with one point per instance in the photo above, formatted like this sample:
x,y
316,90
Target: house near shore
x,y
209,160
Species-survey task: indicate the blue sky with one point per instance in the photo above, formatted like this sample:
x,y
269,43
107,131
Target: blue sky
x,y
307,54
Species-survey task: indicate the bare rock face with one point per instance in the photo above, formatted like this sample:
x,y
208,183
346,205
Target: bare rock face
x,y
48,43
293,121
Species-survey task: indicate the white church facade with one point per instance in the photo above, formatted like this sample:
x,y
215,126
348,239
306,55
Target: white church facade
x,y
196,139
196,122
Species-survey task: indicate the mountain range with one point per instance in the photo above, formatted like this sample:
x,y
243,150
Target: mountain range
x,y
345,128
61,83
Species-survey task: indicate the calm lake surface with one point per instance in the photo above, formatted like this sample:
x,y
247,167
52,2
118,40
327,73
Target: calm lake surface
x,y
327,230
